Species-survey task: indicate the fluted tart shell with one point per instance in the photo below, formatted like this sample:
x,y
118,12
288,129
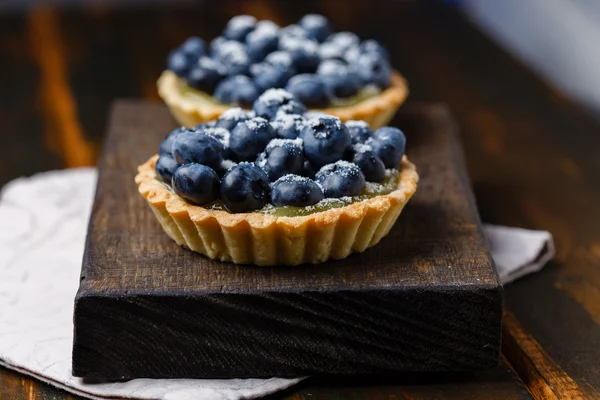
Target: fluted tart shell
x,y
268,240
377,110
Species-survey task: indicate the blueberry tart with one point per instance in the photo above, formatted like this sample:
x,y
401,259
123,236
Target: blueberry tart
x,y
278,185
335,73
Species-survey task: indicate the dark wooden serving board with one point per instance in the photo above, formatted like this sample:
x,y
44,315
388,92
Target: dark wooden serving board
x,y
427,298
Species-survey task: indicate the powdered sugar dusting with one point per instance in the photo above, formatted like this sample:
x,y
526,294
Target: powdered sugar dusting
x,y
290,107
228,164
234,114
330,202
221,134
342,168
289,121
357,124
315,122
294,178
291,144
361,148
275,96
256,123
262,160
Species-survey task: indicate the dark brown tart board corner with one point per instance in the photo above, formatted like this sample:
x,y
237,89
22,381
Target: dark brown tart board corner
x,y
426,298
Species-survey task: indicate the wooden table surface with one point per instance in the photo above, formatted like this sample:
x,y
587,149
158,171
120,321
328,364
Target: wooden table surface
x,y
531,152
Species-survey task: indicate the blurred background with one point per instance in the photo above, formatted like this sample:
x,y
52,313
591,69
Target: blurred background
x,y
63,62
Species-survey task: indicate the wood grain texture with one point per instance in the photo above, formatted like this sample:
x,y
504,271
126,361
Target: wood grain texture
x,y
425,299
496,384
542,375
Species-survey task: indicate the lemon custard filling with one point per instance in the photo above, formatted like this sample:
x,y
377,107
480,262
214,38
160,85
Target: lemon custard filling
x,y
371,190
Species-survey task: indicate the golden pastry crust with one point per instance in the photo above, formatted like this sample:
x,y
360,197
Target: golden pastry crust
x,y
267,240
377,111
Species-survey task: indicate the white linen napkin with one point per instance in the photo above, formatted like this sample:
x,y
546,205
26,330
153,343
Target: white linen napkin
x,y
43,222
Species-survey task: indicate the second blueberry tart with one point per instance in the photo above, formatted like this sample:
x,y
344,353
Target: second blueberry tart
x,y
334,73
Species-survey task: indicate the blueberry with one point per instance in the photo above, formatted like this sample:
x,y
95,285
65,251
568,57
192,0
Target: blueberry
x,y
262,41
368,47
196,147
345,40
239,26
267,76
165,167
341,179
266,25
308,170
232,56
345,83
316,26
238,89
294,31
245,187
374,47
181,60
194,45
359,131
309,89
331,51
277,100
288,126
371,165
222,135
351,55
374,70
196,183
225,166
180,63
236,64
250,137
389,144
304,52
295,190
215,45
205,75
230,118
280,58
332,67
326,140
282,157
167,144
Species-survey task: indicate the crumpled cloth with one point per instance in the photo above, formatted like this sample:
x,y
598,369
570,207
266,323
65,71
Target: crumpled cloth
x,y
43,223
